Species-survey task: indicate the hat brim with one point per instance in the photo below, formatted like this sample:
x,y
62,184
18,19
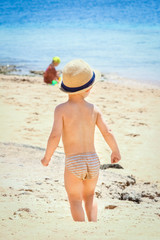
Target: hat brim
x,y
97,79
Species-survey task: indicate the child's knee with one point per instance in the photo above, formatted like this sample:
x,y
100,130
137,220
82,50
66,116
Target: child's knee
x,y
74,197
88,196
74,203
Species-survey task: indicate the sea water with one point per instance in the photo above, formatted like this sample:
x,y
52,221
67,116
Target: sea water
x,y
114,36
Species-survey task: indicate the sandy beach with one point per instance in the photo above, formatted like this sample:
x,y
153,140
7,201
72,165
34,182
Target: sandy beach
x,y
33,201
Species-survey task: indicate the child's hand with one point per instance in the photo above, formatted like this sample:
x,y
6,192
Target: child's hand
x,y
45,162
115,157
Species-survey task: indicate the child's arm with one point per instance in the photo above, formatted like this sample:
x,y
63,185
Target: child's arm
x,y
57,74
54,137
109,138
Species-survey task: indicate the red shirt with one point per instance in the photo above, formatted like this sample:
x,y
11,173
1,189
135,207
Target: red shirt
x,y
50,74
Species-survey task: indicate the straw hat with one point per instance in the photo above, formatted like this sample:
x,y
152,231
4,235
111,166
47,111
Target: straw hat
x,y
78,77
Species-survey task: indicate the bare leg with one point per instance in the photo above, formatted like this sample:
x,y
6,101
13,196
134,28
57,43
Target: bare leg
x,y
89,199
74,188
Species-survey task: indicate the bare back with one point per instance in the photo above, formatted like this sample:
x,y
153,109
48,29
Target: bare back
x,y
79,120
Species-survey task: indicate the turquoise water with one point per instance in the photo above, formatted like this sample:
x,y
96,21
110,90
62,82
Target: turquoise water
x,y
120,37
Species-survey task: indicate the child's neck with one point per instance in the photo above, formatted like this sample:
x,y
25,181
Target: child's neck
x,y
76,98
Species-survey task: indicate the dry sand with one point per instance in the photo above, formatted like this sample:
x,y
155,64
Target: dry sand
x,y
33,201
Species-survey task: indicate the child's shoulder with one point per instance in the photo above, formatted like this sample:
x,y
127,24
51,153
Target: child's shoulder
x,y
61,107
94,107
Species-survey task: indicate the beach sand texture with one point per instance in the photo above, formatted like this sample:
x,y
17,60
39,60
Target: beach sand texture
x,y
33,201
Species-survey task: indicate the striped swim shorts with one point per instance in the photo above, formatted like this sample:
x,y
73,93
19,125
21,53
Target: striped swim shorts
x,y
84,165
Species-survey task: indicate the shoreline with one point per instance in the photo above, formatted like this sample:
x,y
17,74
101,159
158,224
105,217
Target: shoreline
x,y
113,77
108,78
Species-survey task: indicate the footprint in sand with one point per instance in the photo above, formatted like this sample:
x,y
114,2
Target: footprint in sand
x,y
133,135
139,124
104,106
39,183
25,191
22,212
36,113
